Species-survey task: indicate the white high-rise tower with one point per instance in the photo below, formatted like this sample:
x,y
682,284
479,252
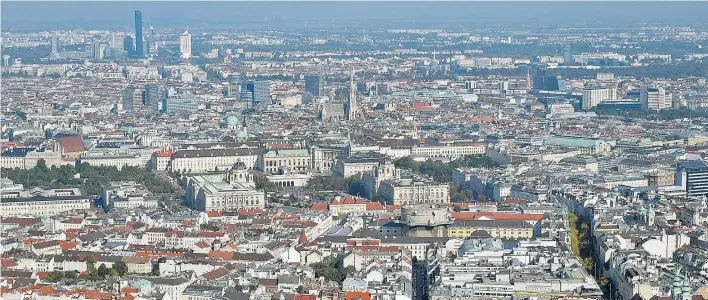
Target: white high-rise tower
x,y
352,106
185,44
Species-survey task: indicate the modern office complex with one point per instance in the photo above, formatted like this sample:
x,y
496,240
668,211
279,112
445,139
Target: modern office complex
x,y
692,176
180,103
655,99
314,84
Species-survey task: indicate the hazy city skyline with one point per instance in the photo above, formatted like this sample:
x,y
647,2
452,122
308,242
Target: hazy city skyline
x,y
384,14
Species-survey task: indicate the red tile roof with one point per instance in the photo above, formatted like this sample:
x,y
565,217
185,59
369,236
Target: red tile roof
x,y
164,153
358,296
22,222
72,144
7,263
319,206
211,234
221,255
514,201
347,200
374,206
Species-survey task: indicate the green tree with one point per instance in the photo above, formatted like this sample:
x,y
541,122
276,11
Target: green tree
x,y
70,274
102,270
121,267
589,264
41,166
54,276
90,264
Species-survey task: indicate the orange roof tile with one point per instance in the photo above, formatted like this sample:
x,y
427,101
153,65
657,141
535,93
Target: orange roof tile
x,y
221,255
358,296
374,206
65,245
319,206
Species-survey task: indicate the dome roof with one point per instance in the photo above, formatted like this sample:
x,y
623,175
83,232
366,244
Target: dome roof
x,y
239,165
232,120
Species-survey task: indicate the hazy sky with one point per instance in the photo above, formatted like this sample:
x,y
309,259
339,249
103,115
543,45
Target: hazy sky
x,y
113,15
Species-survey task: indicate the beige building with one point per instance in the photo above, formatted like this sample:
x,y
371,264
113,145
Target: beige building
x,y
323,156
357,164
235,191
655,99
138,265
209,160
413,189
347,205
449,150
297,160
507,229
39,202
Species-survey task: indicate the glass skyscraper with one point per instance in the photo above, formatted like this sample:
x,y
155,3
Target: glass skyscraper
x,y
139,34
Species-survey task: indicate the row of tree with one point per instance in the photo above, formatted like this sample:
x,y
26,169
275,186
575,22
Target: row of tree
x,y
119,268
91,178
580,236
440,171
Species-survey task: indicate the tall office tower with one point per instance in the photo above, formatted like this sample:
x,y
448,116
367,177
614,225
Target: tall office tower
x,y
261,93
132,98
185,44
314,84
352,106
116,40
593,96
98,50
128,45
6,60
567,56
150,43
693,177
139,43
235,85
54,40
504,85
152,96
654,98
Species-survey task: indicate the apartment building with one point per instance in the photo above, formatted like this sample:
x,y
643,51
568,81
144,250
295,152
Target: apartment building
x,y
296,160
414,190
506,229
39,202
449,151
209,160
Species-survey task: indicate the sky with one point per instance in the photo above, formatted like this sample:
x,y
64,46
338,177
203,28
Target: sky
x,y
377,14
